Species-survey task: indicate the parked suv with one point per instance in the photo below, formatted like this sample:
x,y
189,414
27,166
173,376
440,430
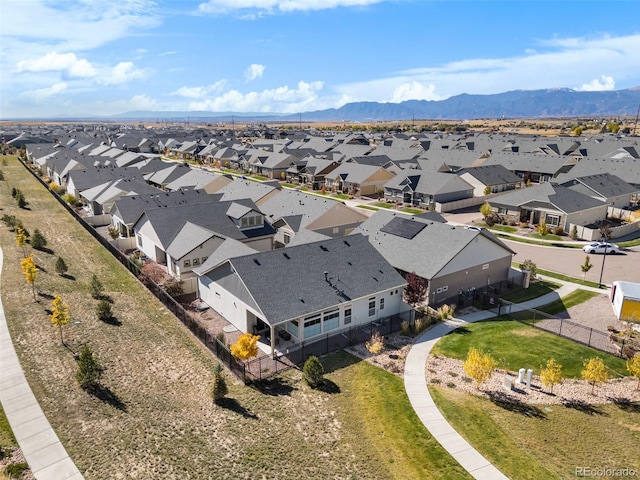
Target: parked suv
x,y
601,247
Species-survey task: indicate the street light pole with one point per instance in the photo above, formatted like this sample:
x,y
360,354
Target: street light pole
x,y
602,269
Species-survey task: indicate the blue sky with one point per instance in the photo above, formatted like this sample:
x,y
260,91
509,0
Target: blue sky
x,y
105,57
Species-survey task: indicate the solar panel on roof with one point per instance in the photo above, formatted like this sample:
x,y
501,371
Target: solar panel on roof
x,y
402,227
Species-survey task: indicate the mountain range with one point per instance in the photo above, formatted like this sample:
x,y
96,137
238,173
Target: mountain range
x,y
549,103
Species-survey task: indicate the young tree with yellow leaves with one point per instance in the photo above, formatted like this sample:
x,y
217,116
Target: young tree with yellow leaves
x,y
479,366
551,374
59,314
246,347
21,240
633,365
30,272
595,371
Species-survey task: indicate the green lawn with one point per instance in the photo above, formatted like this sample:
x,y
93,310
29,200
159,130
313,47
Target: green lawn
x,y
538,443
549,236
367,207
502,228
377,411
6,434
341,196
515,346
561,276
384,205
412,211
535,290
289,185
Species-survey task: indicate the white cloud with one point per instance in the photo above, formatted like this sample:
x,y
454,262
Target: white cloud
x,y
564,63
44,93
142,102
595,85
53,61
170,52
414,91
253,71
200,92
276,6
75,24
123,72
278,100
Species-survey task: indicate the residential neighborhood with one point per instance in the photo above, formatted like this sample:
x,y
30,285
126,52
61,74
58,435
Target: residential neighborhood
x,y
316,242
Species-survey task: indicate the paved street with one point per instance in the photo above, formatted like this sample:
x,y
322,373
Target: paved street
x,y
568,261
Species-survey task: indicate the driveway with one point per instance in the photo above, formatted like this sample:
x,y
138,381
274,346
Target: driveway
x,y
569,260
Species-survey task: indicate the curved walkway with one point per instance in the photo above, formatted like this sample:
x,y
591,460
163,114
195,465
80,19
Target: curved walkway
x,y
40,445
415,384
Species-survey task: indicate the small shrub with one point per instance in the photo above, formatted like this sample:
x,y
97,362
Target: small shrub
x,y
15,470
435,381
543,229
573,233
530,266
61,266
451,385
103,310
1,175
174,287
452,374
406,328
22,202
89,370
376,344
95,287
558,230
221,338
38,241
313,371
113,232
219,384
467,380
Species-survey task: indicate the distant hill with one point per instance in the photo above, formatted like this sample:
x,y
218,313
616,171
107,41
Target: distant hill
x,y
515,104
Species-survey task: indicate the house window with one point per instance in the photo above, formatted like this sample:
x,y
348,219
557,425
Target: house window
x,y
312,326
292,328
244,222
485,266
287,238
331,320
502,210
445,288
382,304
186,263
139,239
347,316
252,221
372,306
553,220
196,261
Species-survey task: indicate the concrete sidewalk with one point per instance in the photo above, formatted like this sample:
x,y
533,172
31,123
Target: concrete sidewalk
x,y
40,445
415,384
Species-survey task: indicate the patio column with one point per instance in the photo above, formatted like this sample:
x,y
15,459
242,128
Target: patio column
x,y
273,340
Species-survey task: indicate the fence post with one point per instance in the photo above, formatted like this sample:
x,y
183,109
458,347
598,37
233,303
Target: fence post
x,y
590,333
560,332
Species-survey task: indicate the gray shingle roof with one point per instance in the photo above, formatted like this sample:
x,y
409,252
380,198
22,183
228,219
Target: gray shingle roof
x,y
354,270
427,252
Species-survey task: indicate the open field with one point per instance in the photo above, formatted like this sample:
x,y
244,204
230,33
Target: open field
x,y
154,418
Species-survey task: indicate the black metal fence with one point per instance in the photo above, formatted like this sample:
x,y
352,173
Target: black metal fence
x,y
484,298
259,368
609,342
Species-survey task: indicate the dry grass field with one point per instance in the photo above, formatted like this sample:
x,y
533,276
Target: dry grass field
x,y
154,417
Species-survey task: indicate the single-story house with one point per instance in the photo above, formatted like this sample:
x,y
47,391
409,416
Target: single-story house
x,y
453,260
304,291
553,204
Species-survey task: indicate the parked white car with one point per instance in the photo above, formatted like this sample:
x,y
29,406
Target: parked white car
x,y
601,247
